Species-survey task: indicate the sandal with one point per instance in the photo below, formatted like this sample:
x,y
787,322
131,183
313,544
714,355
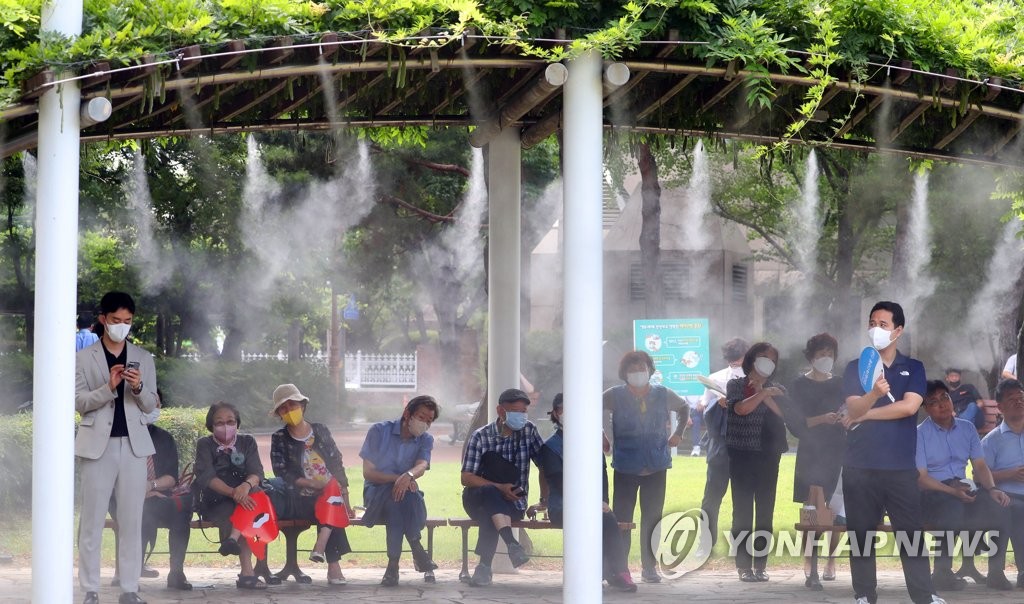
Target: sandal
x,y
250,582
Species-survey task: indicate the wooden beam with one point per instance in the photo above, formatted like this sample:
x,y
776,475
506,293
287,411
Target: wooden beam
x,y
909,119
283,50
721,94
636,78
1005,140
234,46
961,127
673,91
248,100
863,113
406,93
455,93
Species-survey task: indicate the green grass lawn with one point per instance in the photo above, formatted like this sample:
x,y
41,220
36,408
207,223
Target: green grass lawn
x,y
444,500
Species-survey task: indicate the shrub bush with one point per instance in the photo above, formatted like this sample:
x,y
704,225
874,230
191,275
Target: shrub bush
x,y
248,386
186,425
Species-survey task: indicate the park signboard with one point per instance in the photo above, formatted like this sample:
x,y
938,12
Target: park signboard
x,y
680,349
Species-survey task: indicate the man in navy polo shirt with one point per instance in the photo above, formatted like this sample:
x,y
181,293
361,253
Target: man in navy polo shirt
x,y
1004,454
880,470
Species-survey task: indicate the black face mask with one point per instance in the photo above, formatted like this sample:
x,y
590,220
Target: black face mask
x,y
953,385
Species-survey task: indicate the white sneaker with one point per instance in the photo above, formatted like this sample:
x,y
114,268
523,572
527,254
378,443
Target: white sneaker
x,y
862,600
695,452
937,600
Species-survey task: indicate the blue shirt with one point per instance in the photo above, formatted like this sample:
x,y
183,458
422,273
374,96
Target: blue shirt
x,y
945,453
518,448
385,448
640,430
1004,449
889,444
84,339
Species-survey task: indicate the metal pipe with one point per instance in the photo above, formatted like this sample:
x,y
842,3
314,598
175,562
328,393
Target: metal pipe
x,y
582,340
503,265
53,373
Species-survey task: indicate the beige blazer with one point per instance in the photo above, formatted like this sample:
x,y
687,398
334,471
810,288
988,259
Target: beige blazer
x,y
95,401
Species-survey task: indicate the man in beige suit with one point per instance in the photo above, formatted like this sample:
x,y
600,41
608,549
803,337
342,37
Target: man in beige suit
x,y
115,384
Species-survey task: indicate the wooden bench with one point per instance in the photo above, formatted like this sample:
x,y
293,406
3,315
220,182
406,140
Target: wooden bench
x,y
291,529
467,523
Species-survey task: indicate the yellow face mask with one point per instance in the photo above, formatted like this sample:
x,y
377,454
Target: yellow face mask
x,y
293,417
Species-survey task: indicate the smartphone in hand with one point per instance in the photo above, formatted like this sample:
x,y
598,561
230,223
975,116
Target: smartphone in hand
x,y
132,365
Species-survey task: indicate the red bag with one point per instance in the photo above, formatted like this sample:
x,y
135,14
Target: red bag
x,y
258,525
331,509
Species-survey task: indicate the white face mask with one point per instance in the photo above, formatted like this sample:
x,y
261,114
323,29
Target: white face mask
x,y
151,417
823,364
764,366
117,332
417,427
638,379
880,338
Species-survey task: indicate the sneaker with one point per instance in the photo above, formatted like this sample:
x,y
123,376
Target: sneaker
x,y
481,576
937,600
650,575
622,582
149,573
695,452
317,557
91,597
390,577
863,600
130,597
517,555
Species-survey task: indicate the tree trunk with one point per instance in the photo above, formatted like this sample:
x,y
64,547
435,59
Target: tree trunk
x,y
650,232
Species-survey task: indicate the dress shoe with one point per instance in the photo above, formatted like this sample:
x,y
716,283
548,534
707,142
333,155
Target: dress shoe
x,y
130,597
517,555
747,576
761,575
650,575
149,573
998,581
390,577
91,597
481,576
812,583
945,580
177,580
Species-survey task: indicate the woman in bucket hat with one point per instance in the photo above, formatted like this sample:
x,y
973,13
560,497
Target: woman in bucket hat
x,y
305,456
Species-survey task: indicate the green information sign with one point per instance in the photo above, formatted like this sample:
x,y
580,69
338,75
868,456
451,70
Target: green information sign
x,y
681,351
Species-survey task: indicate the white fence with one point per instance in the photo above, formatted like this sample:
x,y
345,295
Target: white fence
x,y
367,371
380,371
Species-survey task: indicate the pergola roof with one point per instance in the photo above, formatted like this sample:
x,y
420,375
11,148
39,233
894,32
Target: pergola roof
x,y
281,85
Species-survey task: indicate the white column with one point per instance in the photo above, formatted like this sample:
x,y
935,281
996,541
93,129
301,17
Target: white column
x,y
503,270
53,415
581,350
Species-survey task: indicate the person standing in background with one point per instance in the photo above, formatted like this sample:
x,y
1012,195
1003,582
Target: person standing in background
x,y
85,336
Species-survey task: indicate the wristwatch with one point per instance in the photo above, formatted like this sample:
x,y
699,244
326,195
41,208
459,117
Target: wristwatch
x,y
139,391
411,475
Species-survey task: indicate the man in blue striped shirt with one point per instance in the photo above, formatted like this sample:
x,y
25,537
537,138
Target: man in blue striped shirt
x,y
496,477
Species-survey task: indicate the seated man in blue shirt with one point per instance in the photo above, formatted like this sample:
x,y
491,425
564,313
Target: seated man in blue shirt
x,y
879,470
945,443
396,453
1003,448
496,476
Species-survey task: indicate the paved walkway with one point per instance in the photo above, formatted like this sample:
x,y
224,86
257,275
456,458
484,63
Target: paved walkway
x,y
531,586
